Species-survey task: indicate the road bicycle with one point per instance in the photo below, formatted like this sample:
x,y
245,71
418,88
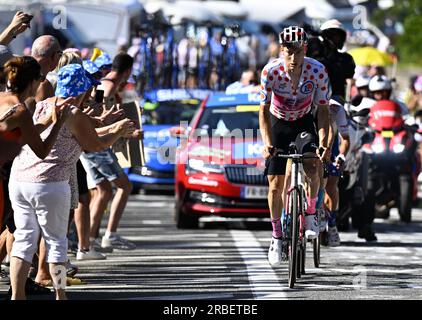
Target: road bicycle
x,y
295,209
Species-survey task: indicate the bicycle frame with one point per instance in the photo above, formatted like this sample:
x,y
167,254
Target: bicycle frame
x,y
295,209
297,183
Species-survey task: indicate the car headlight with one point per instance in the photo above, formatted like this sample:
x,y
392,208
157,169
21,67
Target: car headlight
x,y
195,165
378,148
399,148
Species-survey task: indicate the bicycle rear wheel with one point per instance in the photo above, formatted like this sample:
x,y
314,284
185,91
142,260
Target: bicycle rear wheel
x,y
294,241
317,250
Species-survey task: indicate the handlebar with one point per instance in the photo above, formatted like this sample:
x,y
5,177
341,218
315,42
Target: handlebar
x,y
295,156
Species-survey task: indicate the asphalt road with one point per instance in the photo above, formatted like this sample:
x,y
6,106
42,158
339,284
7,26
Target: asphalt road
x,y
228,261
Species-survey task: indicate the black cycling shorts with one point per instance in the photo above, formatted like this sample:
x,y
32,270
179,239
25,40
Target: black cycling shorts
x,y
283,133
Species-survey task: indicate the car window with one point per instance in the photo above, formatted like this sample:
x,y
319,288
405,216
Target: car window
x,y
223,121
169,112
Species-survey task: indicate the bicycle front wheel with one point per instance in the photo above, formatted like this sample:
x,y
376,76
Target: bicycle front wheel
x,y
294,266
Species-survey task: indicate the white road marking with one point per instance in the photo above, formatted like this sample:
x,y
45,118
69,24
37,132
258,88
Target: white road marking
x,y
152,222
186,297
262,278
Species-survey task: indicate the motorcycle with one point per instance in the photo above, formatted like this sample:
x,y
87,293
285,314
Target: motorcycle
x,y
392,162
353,183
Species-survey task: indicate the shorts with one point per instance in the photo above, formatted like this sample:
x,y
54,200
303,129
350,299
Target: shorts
x,y
101,166
283,133
40,209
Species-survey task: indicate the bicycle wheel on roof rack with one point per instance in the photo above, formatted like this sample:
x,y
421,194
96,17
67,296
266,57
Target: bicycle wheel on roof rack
x,y
293,207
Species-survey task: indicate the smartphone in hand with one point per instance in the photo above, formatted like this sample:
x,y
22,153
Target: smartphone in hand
x,y
99,96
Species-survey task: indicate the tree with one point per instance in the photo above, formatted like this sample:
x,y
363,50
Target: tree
x,y
409,44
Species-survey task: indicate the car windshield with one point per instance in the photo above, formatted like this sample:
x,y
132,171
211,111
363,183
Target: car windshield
x,y
169,112
223,121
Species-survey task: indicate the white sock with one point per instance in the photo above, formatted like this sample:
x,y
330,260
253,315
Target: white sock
x,y
109,234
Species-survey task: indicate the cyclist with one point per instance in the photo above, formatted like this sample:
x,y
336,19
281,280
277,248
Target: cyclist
x,y
339,131
290,86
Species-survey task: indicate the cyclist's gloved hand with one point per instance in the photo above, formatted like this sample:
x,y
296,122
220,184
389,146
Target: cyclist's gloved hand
x,y
324,154
340,161
267,152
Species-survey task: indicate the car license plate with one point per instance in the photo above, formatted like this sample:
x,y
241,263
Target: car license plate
x,y
387,134
255,192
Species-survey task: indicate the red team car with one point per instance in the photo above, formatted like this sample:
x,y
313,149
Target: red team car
x,y
219,169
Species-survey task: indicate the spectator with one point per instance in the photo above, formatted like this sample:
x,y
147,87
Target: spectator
x,y
47,181
104,63
104,170
68,57
5,55
414,96
248,83
46,50
23,76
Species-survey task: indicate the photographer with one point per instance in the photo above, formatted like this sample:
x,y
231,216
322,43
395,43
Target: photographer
x,y
325,49
340,67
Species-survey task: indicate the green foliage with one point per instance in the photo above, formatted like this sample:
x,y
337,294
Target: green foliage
x,y
409,44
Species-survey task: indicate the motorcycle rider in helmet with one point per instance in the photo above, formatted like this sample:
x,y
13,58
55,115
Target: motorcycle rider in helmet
x,y
381,88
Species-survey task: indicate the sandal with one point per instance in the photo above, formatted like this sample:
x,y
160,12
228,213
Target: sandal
x,y
71,269
74,282
33,288
70,281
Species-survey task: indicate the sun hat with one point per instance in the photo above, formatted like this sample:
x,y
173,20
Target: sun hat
x,y
72,81
90,66
104,60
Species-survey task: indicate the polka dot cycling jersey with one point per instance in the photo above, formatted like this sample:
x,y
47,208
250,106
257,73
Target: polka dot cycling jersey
x,y
285,103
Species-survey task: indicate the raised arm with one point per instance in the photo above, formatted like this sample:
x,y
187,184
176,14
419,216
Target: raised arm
x,y
86,135
18,25
31,136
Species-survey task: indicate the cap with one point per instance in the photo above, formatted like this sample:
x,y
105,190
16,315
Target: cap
x,y
332,24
